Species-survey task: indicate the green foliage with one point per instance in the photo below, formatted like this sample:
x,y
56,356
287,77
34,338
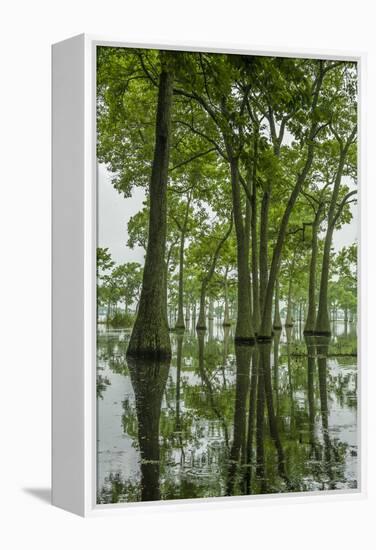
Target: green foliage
x,y
121,319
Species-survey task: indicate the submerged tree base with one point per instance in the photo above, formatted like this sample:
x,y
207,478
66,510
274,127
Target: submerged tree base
x,y
245,341
149,353
264,339
150,348
327,333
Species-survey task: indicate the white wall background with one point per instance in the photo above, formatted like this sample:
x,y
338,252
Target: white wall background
x,y
27,28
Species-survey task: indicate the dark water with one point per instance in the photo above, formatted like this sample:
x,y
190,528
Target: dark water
x,y
199,427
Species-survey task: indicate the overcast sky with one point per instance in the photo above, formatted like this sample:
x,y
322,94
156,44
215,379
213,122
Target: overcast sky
x,y
114,212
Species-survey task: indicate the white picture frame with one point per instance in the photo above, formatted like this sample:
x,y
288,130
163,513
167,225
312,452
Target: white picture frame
x,y
74,279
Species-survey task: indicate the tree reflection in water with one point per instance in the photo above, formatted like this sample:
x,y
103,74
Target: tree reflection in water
x,y
225,420
149,381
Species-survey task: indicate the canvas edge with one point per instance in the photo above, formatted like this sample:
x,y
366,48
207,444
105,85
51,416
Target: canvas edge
x,y
67,203
91,509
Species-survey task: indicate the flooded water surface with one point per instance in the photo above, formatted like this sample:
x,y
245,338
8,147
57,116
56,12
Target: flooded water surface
x,y
206,424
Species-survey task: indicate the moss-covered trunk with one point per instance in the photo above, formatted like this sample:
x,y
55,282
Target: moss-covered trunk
x,y
150,335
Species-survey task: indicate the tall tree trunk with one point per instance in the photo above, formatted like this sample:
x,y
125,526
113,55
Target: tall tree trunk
x,y
211,309
276,341
254,249
264,235
150,335
244,325
311,315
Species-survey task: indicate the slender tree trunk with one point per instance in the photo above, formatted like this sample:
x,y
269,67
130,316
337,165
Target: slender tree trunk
x,y
311,315
150,335
247,231
254,249
264,236
289,320
226,317
276,340
277,323
201,321
180,321
266,317
322,322
211,309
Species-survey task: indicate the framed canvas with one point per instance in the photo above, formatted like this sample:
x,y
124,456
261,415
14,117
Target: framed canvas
x,y
207,305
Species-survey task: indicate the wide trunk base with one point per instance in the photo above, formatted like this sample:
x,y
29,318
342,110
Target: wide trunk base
x,y
146,345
